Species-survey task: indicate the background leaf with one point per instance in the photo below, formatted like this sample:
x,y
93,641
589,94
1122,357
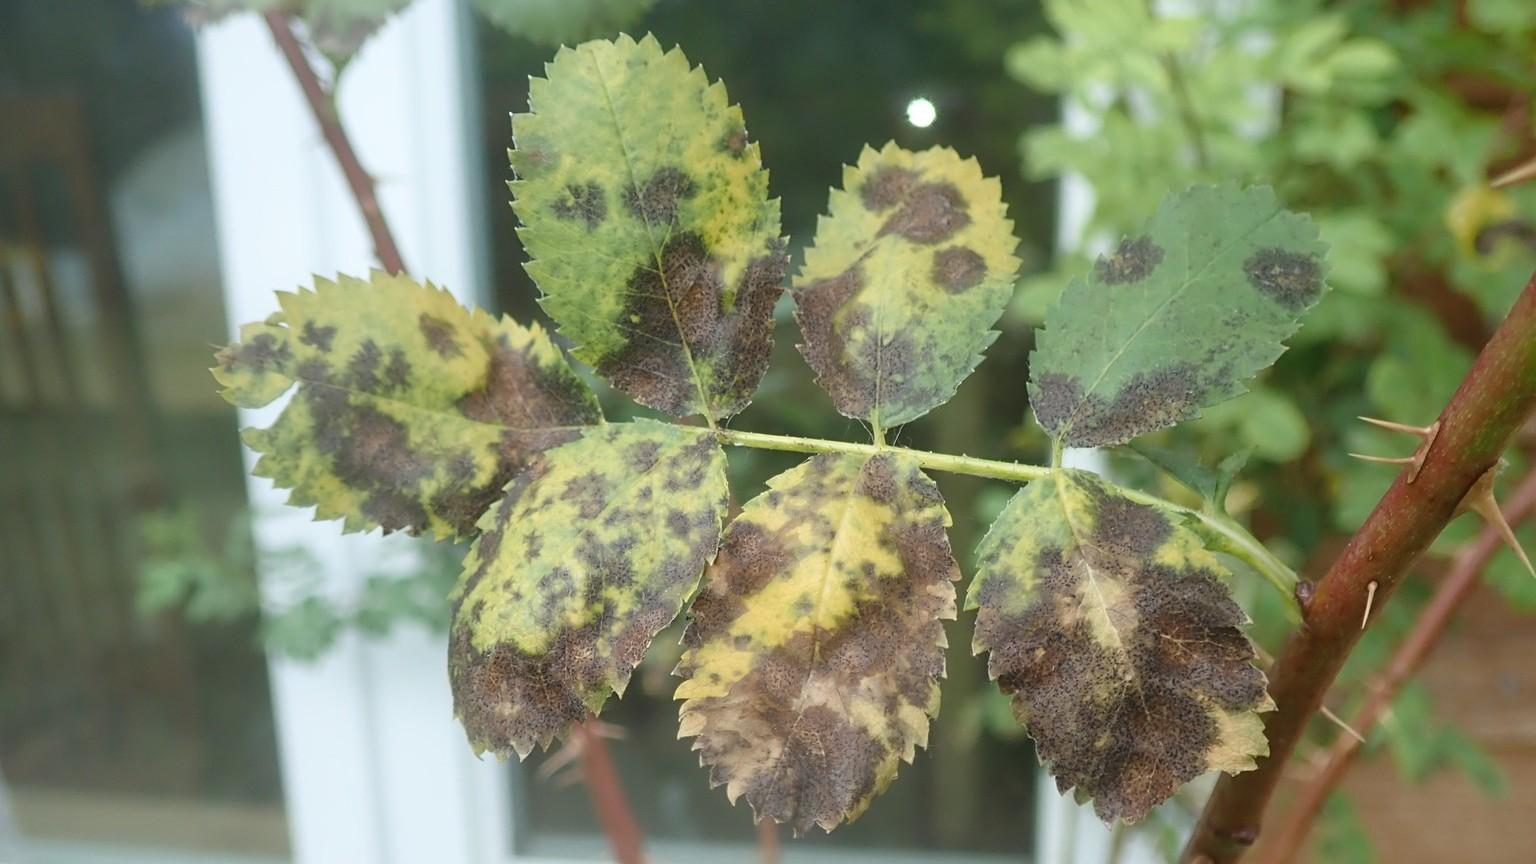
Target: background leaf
x,y
911,269
816,645
557,22
1177,317
411,412
589,555
1112,627
646,213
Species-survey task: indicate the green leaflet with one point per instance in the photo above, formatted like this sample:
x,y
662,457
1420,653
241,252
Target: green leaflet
x,y
557,22
1112,628
1177,318
589,555
411,412
911,268
815,649
646,213
337,27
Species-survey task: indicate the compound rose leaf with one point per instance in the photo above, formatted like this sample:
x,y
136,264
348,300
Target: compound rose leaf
x,y
1111,626
646,213
591,552
1177,318
815,649
411,412
911,268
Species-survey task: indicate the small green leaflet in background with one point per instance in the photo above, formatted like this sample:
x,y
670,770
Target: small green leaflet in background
x,y
912,266
411,412
336,27
1176,318
816,645
592,552
1112,627
646,213
560,22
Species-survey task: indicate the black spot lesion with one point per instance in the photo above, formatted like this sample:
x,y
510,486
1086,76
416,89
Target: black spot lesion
x,y
734,141
583,201
886,187
929,213
263,353
441,336
682,303
958,269
656,201
1125,726
1145,402
1132,261
1292,279
371,452
317,337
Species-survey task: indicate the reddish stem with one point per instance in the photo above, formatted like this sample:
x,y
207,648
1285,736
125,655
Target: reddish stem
x,y
1488,408
321,105
1464,577
607,794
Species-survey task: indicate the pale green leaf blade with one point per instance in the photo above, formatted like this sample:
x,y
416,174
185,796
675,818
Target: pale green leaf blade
x,y
411,412
912,267
816,644
592,552
646,213
1112,628
560,22
1176,318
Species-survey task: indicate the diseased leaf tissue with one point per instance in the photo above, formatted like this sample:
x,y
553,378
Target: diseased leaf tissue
x,y
815,649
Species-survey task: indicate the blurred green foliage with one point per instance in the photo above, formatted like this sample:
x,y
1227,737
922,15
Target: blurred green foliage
x,y
208,573
1383,120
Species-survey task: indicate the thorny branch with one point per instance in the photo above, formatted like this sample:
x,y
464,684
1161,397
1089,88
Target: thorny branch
x,y
1488,408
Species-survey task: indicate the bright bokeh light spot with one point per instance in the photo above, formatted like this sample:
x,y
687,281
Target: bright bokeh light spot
x,y
921,113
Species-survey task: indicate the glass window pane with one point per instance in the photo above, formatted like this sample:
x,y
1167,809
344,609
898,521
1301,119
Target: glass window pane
x,y
119,724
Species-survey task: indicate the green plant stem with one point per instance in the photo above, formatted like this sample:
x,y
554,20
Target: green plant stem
x,y
1493,401
1236,539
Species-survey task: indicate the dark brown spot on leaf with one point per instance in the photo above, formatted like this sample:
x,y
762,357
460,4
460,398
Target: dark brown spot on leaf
x,y
886,187
958,269
1147,401
440,336
683,304
735,142
1132,261
584,202
317,337
655,201
1293,280
930,212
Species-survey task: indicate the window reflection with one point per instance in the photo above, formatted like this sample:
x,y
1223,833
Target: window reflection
x,y
115,727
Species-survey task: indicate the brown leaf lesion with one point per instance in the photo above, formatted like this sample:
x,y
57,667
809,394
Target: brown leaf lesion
x,y
1130,716
786,734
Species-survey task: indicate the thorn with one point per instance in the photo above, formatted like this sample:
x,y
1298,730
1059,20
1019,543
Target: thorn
x,y
1421,431
1415,462
1370,598
562,769
1389,460
1339,721
1518,174
1480,500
